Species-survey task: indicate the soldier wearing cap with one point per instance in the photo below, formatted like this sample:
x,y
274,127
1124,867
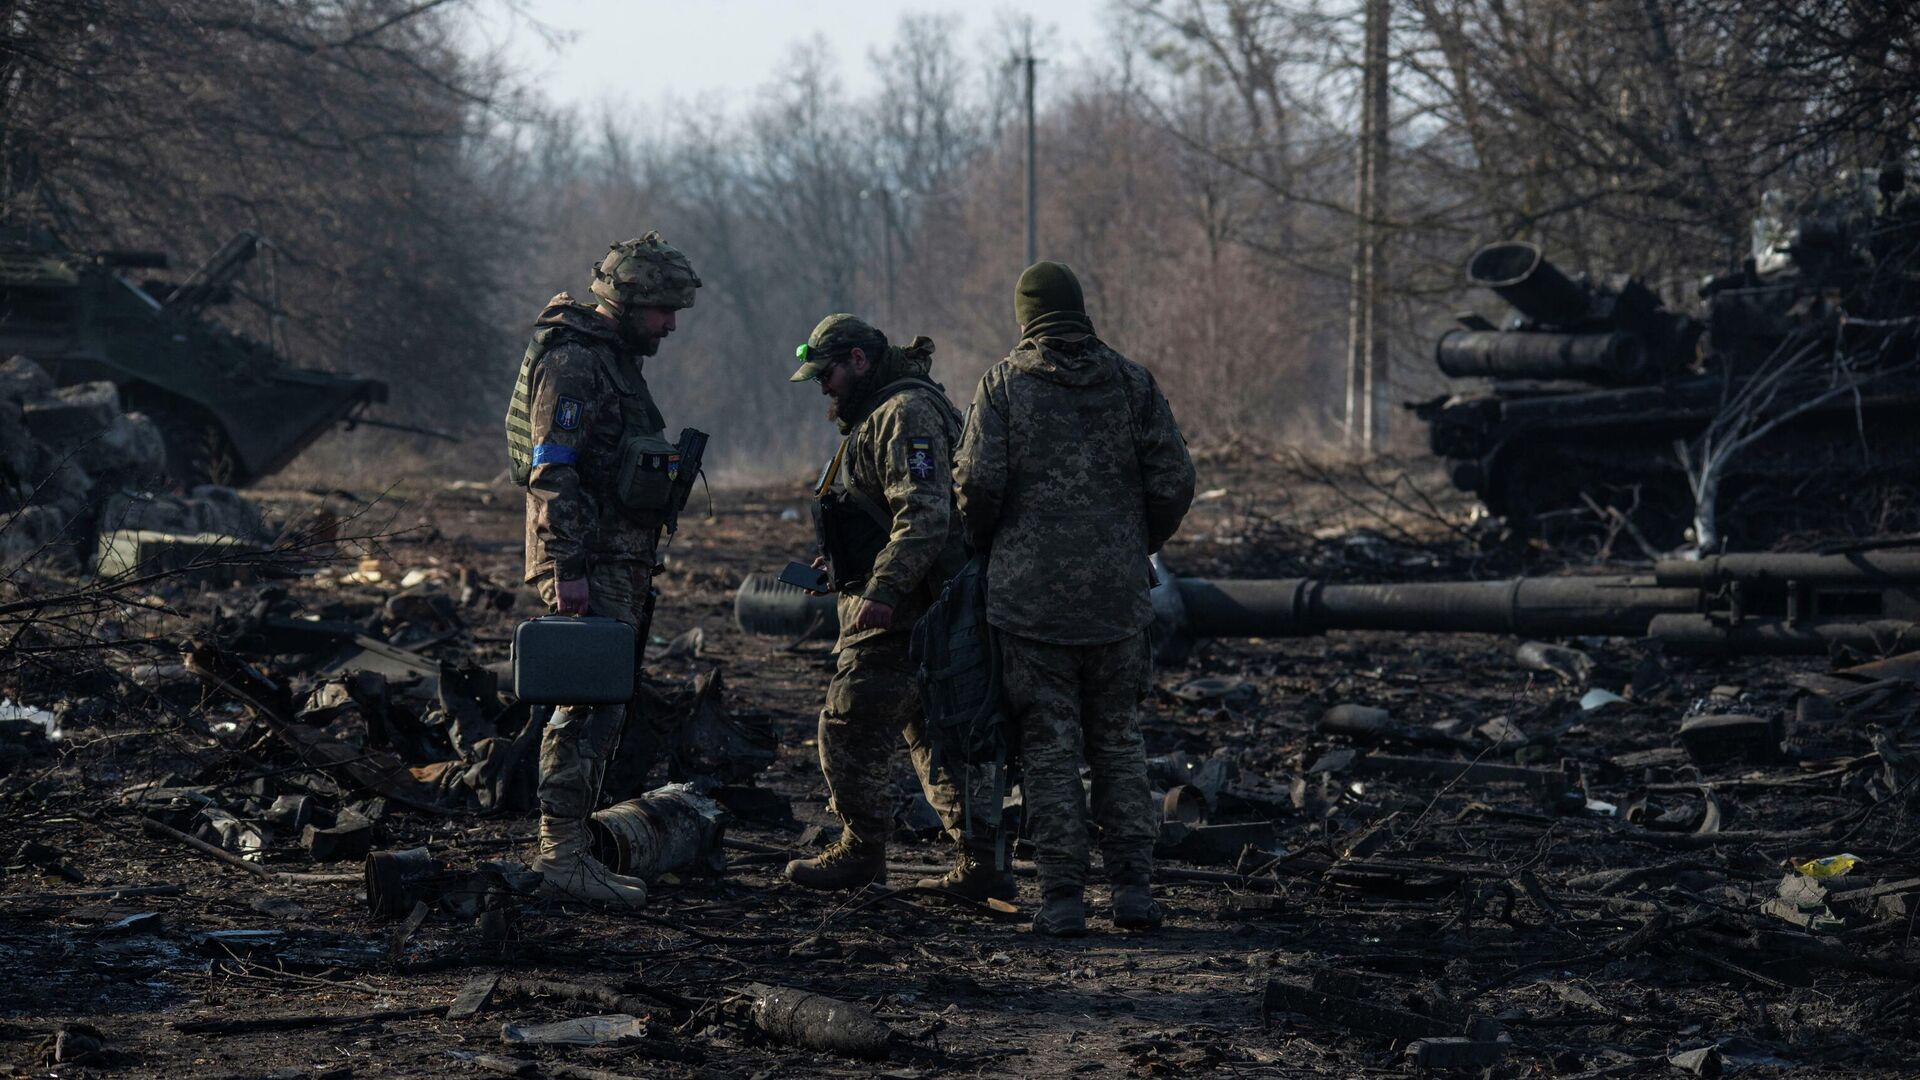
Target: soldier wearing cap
x,y
891,537
587,441
1071,473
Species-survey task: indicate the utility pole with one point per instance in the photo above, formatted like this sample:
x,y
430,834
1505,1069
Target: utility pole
x,y
1033,185
885,197
1367,339
886,225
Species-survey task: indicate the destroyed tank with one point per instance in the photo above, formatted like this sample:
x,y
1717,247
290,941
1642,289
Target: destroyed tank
x,y
230,410
1574,406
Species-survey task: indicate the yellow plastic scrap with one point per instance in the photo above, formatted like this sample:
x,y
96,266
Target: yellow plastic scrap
x,y
1829,867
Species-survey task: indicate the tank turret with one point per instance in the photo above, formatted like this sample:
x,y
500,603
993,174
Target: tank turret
x,y
1578,400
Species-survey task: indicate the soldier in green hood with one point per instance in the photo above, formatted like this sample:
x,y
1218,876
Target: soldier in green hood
x,y
584,437
891,537
1071,473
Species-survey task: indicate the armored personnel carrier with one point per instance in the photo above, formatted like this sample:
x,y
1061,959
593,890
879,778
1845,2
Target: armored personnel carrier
x,y
1577,402
231,411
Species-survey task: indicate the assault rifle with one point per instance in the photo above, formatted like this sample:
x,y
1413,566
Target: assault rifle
x,y
1725,605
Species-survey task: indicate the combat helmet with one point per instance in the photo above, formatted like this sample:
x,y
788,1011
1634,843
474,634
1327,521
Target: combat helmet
x,y
647,272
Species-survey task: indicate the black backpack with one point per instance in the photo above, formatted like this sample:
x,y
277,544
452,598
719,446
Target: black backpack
x,y
958,654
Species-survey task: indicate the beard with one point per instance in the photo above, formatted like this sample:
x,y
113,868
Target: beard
x,y
858,391
635,337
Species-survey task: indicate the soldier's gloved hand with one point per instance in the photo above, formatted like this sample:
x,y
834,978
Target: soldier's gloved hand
x,y
872,615
820,563
572,596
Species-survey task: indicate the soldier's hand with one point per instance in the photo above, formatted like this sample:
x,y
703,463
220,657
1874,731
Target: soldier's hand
x,y
572,596
872,615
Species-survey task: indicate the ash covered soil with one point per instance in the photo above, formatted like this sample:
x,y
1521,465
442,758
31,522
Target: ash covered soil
x,y
1588,900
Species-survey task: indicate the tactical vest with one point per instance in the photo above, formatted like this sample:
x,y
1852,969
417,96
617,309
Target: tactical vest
x,y
646,465
852,528
520,406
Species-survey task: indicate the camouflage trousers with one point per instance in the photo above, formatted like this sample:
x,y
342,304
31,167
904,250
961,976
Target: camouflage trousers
x,y
1074,705
579,739
872,701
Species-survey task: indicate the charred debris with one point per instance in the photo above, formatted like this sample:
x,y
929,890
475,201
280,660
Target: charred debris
x,y
270,801
1596,400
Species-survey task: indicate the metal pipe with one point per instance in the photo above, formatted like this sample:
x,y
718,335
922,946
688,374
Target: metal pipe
x,y
1524,278
1703,635
1299,607
1615,359
1856,568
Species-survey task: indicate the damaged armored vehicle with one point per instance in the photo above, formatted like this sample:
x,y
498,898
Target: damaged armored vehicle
x,y
230,410
1590,399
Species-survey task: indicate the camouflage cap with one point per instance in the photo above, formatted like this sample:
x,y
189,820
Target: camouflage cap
x,y
833,335
645,272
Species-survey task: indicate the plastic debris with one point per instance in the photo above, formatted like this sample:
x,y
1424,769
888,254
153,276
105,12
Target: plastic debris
x,y
1596,699
49,724
1831,866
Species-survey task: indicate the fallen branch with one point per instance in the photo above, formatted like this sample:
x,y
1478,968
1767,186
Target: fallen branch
x,y
1654,928
603,996
301,1020
520,1067
162,829
96,894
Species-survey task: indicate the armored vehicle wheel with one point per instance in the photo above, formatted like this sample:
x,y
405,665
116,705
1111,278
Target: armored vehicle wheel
x,y
198,450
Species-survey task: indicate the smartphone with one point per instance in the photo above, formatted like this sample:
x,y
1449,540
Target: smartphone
x,y
800,575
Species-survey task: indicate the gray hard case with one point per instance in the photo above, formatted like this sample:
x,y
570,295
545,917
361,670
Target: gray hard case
x,y
573,660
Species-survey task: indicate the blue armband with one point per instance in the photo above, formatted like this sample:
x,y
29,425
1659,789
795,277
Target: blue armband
x,y
554,454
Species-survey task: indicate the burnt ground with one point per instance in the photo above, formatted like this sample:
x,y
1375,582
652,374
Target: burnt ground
x,y
1596,900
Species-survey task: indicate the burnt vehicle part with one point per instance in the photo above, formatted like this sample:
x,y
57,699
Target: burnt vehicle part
x,y
1589,385
1727,605
230,409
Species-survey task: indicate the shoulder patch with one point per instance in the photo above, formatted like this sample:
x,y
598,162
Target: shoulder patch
x,y
566,414
920,457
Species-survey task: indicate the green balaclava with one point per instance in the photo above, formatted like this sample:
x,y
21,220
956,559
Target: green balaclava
x,y
1048,302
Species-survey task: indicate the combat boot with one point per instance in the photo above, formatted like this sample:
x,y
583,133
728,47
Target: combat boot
x,y
567,872
1063,914
975,878
1134,907
848,863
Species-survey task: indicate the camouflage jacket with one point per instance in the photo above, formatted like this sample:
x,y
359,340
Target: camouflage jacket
x,y
1071,473
586,393
900,456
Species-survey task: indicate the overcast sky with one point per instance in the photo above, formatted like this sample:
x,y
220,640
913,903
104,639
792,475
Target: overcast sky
x,y
647,51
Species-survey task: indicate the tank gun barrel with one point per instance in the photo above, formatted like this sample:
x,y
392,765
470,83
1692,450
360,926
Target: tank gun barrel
x,y
1730,604
1533,607
1892,568
1610,358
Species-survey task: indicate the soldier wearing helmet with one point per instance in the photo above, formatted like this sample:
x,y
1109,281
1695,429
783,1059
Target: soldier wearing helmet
x,y
588,443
